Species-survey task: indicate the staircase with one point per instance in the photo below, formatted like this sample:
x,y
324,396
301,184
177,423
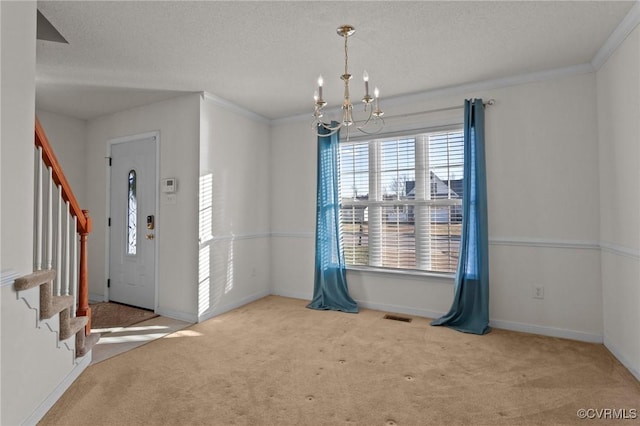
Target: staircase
x,y
63,306
60,272
46,319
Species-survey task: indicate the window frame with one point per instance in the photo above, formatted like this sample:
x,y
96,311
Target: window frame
x,y
455,126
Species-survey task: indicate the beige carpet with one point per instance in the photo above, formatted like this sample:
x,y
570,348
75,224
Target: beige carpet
x,y
109,314
274,362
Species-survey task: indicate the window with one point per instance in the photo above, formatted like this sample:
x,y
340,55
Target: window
x,y
402,201
132,213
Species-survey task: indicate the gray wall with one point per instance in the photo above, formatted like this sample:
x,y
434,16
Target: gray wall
x,y
619,142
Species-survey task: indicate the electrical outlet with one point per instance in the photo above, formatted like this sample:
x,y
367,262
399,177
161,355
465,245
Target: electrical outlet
x,y
538,292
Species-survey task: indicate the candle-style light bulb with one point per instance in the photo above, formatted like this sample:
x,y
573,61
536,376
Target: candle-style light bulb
x,y
315,95
365,77
320,83
377,112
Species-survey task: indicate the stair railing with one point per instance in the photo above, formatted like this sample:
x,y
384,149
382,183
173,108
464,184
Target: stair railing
x,y
59,224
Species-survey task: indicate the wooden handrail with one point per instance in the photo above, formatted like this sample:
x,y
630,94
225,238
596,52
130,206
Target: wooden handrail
x,y
59,178
82,216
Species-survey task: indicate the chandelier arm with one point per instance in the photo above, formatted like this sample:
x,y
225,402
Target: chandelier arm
x,y
366,122
361,129
318,123
332,130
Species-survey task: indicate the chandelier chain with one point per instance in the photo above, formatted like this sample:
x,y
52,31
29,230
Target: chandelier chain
x,y
346,115
346,55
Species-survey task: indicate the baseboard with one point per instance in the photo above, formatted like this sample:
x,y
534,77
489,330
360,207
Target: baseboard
x,y
506,325
97,298
623,360
369,305
192,318
226,308
546,331
399,309
57,393
293,295
182,316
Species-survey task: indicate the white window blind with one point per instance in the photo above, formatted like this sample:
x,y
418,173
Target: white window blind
x,y
402,201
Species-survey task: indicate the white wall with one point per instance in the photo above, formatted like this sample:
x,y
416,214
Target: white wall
x,y
234,198
618,91
178,121
542,157
16,133
67,136
34,370
17,85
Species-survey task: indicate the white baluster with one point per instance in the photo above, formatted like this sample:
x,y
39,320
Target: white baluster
x,y
67,275
38,210
74,265
58,282
50,221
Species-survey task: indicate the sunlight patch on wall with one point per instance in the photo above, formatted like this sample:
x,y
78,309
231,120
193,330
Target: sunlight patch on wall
x,y
204,283
229,284
205,224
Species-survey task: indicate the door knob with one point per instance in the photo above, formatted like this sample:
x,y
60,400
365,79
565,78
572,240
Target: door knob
x,y
149,236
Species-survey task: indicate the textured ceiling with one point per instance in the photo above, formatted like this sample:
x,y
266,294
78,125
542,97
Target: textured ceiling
x,y
266,56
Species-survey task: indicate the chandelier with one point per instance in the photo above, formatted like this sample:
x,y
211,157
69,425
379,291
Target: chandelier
x,y
371,123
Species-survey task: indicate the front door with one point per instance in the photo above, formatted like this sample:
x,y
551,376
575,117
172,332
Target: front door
x,y
132,244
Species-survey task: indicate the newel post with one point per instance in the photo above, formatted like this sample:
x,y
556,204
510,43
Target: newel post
x,y
83,286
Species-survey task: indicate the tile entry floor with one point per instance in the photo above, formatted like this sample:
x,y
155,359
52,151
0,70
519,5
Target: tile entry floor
x,y
117,340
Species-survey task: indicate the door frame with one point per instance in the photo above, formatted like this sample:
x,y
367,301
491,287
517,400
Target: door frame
x,y
110,143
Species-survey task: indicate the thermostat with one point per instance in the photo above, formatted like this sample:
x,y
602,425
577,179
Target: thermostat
x,y
169,185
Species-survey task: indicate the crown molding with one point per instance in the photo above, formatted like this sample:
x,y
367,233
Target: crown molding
x,y
230,106
622,31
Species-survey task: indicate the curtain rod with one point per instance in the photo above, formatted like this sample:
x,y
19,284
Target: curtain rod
x,y
451,108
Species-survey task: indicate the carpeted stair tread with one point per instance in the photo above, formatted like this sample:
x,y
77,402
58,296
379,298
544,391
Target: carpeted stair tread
x,y
51,305
70,326
56,305
34,279
85,343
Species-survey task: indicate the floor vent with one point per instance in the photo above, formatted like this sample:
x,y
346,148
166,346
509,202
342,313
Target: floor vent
x,y
397,318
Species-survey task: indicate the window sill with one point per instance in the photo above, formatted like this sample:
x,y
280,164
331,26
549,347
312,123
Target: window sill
x,y
404,272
